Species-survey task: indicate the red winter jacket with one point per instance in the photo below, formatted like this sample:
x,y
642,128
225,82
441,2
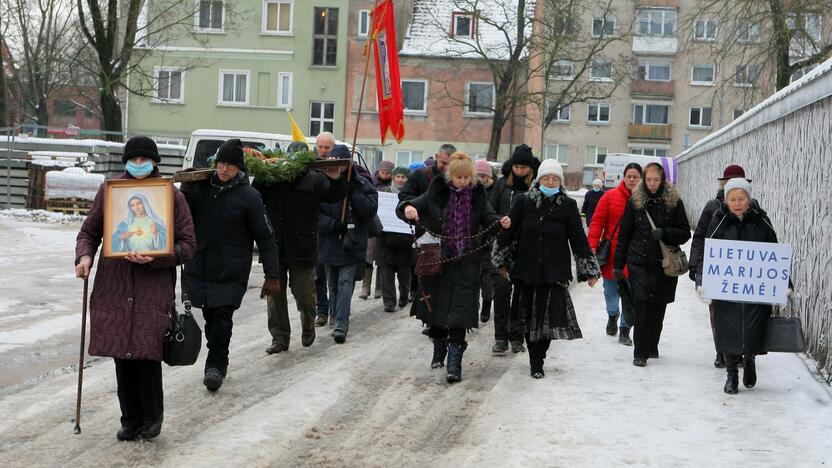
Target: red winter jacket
x,y
607,214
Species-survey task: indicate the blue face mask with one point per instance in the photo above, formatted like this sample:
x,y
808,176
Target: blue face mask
x,y
139,170
548,192
594,189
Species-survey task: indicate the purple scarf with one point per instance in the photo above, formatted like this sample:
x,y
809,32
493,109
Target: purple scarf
x,y
457,223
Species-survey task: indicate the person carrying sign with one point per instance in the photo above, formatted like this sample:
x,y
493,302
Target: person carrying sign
x,y
395,255
740,327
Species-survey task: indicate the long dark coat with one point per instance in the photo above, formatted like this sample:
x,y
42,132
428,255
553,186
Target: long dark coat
x,y
293,209
454,295
640,252
228,220
741,327
130,303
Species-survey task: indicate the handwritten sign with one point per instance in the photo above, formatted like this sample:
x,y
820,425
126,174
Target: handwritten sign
x,y
741,271
387,203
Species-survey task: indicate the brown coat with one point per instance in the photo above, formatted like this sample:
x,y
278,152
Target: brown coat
x,y
130,302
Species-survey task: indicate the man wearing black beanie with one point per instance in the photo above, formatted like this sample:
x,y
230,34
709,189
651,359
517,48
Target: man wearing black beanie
x,y
228,214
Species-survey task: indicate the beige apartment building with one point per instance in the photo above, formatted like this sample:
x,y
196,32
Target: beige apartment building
x,y
683,83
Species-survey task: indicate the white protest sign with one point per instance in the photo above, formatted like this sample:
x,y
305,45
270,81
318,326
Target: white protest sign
x,y
387,203
742,271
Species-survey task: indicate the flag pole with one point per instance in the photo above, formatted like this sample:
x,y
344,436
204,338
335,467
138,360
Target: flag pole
x,y
367,44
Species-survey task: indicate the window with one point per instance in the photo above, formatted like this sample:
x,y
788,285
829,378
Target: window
x,y
658,152
563,25
601,71
415,96
560,153
656,22
325,38
64,108
801,73
702,74
406,157
563,114
462,24
595,155
651,114
277,16
562,70
746,75
603,26
167,141
598,114
811,25
321,117
738,113
170,86
284,89
700,117
747,31
704,30
479,98
234,87
653,71
364,23
209,15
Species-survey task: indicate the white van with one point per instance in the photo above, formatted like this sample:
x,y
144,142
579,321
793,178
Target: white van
x,y
204,143
616,162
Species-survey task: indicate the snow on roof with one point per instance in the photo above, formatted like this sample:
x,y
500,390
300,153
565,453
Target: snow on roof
x,y
494,29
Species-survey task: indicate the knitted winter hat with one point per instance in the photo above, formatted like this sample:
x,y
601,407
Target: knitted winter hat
x,y
386,166
738,183
340,152
403,171
483,168
550,167
140,146
523,156
231,152
416,165
733,171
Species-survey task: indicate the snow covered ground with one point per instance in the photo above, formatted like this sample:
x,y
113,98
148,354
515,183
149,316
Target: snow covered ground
x,y
375,401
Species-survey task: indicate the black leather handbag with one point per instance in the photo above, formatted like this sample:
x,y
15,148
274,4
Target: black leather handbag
x,y
602,254
784,334
183,340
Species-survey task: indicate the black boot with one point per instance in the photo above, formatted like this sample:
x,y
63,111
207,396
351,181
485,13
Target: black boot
x,y
455,351
624,336
749,371
732,382
152,429
485,311
440,349
612,325
536,368
719,361
128,433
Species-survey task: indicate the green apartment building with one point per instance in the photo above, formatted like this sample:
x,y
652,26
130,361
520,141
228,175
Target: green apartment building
x,y
240,65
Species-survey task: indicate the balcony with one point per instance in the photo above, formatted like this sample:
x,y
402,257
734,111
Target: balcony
x,y
651,89
655,45
657,3
649,132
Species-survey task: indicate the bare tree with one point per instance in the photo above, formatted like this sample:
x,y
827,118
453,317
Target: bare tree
x,y
3,23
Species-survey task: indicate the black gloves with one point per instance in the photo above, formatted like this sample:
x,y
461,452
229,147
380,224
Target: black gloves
x,y
339,228
657,234
618,273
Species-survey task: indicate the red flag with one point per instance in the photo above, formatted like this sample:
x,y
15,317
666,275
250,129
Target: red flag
x,y
388,81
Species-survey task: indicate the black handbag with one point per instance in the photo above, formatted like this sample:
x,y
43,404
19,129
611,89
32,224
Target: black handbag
x,y
784,334
602,254
183,340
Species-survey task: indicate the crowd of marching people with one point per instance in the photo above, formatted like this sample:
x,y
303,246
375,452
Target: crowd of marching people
x,y
505,244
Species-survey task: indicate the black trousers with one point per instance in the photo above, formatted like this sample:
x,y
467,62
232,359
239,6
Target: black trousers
x,y
648,328
453,335
388,274
218,323
139,388
537,352
508,321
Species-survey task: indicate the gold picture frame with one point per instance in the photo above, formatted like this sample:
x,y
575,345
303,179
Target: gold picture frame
x,y
138,217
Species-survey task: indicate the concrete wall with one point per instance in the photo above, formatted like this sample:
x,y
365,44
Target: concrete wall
x,y
785,146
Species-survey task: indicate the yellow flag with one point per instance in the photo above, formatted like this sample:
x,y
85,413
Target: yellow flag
x,y
297,135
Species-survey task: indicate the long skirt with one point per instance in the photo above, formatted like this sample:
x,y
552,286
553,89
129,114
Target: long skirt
x,y
549,312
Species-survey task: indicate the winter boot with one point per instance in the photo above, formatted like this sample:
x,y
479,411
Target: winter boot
x,y
307,338
276,348
719,361
455,351
500,347
321,320
517,347
749,371
624,336
339,336
152,429
612,324
128,433
536,368
732,382
366,282
213,379
485,311
440,349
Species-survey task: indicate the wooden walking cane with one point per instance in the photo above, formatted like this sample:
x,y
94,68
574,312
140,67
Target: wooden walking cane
x,y
81,358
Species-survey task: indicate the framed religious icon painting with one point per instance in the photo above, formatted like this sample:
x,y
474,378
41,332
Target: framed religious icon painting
x,y
138,217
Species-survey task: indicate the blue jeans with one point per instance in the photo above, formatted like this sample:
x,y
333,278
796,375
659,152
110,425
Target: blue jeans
x,y
341,281
321,299
612,299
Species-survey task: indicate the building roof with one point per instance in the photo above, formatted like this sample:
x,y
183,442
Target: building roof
x,y
429,32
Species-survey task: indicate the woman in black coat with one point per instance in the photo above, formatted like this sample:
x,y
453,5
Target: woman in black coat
x,y
638,246
454,207
740,327
546,232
